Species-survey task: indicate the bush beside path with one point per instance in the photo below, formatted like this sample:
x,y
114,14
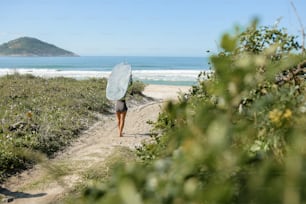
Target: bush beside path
x,y
52,179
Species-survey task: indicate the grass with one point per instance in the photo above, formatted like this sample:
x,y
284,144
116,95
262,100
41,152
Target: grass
x,y
41,116
44,115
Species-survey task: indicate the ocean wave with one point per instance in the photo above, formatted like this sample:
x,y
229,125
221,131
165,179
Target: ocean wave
x,y
166,75
142,75
50,73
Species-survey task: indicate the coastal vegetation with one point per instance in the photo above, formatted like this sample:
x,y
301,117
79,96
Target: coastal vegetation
x,y
27,46
236,137
41,116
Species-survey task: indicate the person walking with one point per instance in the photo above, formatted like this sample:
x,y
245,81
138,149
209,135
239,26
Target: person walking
x,y
116,90
121,110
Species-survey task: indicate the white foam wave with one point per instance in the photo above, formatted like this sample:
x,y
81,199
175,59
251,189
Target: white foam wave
x,y
145,75
166,75
49,73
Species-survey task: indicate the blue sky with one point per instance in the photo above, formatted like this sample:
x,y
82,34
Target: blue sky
x,y
140,27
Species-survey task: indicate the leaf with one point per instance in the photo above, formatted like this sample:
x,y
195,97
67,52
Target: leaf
x,y
228,43
129,193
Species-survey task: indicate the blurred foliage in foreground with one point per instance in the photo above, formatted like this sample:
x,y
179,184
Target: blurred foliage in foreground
x,y
238,137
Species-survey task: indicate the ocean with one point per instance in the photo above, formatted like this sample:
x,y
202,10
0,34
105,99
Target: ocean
x,y
150,70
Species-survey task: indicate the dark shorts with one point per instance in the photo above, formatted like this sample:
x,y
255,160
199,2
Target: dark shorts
x,y
121,106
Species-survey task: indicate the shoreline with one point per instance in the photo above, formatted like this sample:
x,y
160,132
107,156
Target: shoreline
x,y
154,76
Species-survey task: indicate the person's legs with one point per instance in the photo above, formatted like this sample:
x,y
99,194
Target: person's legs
x,y
121,124
118,120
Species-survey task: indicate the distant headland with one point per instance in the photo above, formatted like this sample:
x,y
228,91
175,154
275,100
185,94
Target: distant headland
x,y
32,47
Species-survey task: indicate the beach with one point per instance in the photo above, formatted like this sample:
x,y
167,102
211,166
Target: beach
x,y
165,92
91,151
96,143
150,70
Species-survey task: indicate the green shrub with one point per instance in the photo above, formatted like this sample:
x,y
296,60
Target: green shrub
x,y
136,87
238,137
44,115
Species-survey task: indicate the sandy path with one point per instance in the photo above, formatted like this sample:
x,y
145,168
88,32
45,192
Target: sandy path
x,y
93,147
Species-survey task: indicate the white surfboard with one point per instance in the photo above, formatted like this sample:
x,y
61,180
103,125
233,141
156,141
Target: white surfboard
x,y
118,81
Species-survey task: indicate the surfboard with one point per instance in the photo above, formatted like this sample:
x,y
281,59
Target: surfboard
x,y
118,81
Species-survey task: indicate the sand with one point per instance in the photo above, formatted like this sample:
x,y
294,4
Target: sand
x,y
91,149
165,92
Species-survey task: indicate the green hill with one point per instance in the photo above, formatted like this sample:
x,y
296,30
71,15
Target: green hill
x,y
26,46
